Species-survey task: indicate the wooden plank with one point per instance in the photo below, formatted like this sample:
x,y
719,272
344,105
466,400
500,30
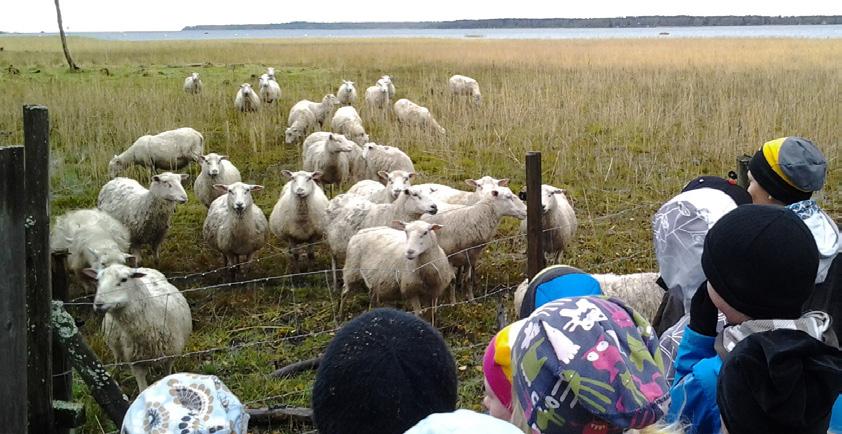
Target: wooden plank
x,y
534,227
274,416
62,371
68,414
742,170
12,292
36,133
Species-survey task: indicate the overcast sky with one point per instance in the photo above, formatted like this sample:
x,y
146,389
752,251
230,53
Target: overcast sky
x,y
124,15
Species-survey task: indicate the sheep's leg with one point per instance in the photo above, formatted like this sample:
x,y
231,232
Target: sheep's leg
x,y
473,277
415,302
333,271
135,249
311,256
294,260
140,376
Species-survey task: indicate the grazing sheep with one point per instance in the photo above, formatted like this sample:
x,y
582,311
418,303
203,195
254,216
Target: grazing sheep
x,y
377,96
558,221
461,85
379,158
299,215
416,116
387,81
145,212
235,226
192,84
270,72
330,158
92,238
347,93
169,150
269,90
246,99
216,169
396,182
321,110
347,121
469,228
146,318
300,122
405,262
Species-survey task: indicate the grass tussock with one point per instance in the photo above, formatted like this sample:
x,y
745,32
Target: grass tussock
x,y
622,125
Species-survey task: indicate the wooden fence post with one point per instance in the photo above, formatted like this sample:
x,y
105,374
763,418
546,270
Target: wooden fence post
x,y
742,170
534,228
13,334
36,131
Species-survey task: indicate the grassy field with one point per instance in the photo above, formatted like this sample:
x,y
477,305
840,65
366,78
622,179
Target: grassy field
x,y
622,125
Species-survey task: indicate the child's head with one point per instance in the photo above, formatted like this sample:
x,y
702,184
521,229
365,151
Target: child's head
x,y
552,283
497,370
785,171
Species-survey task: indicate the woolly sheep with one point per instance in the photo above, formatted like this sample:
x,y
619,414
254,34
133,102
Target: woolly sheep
x,y
469,228
321,110
416,116
446,194
301,120
192,84
269,90
92,238
356,163
380,158
377,96
299,215
347,121
246,100
216,169
347,93
330,158
145,318
461,85
396,182
387,81
558,221
405,262
270,72
235,226
168,150
145,212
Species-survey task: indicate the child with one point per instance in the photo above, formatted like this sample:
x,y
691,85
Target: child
x,y
497,370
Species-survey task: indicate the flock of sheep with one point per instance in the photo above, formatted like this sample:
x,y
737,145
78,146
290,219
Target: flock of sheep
x,y
397,239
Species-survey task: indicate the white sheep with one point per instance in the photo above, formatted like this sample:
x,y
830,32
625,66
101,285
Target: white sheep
x,y
235,226
193,84
347,93
146,318
405,262
469,228
396,182
377,96
461,85
447,194
380,158
387,81
268,90
270,72
216,169
416,116
558,221
168,150
347,121
246,100
301,121
299,215
330,158
321,110
92,238
145,212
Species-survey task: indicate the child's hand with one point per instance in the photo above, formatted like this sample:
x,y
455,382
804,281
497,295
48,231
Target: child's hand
x,y
703,313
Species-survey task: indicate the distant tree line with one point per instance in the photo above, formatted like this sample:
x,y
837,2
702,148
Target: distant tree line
x,y
509,23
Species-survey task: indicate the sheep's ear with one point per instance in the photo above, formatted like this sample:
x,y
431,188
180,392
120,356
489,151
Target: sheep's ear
x,y
503,182
435,227
495,193
220,187
137,275
184,177
316,176
558,191
384,175
410,175
399,225
90,273
471,182
203,159
223,157
156,178
256,188
331,137
286,173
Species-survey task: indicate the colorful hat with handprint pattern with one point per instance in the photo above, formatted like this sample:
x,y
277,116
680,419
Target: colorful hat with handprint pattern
x,y
588,365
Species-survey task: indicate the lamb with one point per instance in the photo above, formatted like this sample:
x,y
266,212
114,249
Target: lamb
x,y
299,215
461,85
558,221
269,90
168,150
406,262
145,212
379,158
347,121
235,226
396,182
301,120
92,238
387,81
330,158
146,318
216,169
416,116
192,84
377,96
347,93
246,99
469,228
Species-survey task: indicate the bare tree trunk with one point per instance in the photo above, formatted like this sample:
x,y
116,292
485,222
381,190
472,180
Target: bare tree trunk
x,y
70,61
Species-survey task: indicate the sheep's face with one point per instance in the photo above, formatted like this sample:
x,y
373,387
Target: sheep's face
x,y
239,196
100,259
420,237
195,76
396,181
477,98
419,202
245,88
548,197
211,164
116,286
168,186
302,183
335,144
368,147
330,99
292,135
115,167
507,203
486,184
359,136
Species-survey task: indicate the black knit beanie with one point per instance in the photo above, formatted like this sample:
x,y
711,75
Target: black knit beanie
x,y
781,381
790,169
727,186
382,373
762,260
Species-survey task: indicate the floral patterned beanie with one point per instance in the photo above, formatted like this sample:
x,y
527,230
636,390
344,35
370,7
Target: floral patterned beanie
x,y
588,365
186,403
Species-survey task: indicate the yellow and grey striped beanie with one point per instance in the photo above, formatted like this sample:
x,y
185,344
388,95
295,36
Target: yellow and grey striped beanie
x,y
789,168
